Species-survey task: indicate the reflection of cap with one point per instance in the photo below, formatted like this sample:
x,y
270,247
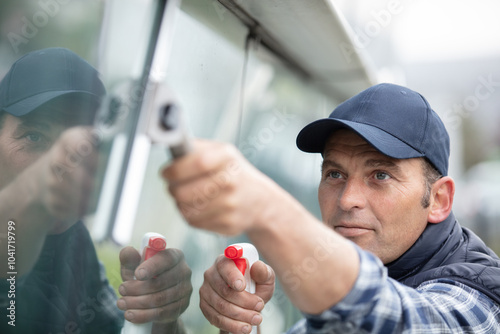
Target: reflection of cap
x,y
44,75
395,120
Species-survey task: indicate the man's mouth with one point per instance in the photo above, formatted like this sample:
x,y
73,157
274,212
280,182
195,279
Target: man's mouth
x,y
351,231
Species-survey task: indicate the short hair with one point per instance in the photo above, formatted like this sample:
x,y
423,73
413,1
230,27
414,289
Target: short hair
x,y
431,175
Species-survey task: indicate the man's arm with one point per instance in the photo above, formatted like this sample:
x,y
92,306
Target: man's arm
x,y
378,304
218,190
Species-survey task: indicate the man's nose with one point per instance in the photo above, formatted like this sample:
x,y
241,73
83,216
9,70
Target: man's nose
x,y
353,195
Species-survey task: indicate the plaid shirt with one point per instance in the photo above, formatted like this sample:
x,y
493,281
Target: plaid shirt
x,y
379,304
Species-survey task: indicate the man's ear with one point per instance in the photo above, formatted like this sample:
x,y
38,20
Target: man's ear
x,y
441,200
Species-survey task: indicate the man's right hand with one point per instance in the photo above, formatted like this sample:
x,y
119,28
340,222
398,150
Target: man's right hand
x,y
224,301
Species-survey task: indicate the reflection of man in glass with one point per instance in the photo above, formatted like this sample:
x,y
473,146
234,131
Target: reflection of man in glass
x,y
47,164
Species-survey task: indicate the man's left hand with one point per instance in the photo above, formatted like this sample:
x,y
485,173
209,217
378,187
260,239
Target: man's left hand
x,y
161,289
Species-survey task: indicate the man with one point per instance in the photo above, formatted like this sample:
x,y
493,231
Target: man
x,y
48,159
390,256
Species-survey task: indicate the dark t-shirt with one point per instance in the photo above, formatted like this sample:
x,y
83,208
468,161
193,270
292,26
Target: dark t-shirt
x,y
66,292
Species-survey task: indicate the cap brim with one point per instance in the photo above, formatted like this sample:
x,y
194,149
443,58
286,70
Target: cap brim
x,y
313,137
27,105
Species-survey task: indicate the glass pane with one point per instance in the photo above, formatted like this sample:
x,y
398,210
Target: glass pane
x,y
205,72
227,93
51,172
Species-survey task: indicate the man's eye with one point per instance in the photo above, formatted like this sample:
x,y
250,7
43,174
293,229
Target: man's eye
x,y
334,175
382,176
34,137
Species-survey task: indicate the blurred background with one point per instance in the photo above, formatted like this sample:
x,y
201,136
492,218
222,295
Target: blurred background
x,y
305,57
447,51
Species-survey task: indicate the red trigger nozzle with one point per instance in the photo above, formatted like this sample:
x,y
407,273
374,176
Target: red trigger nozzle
x,y
157,243
235,253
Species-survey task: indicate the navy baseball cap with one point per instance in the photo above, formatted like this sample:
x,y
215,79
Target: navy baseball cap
x,y
397,121
46,75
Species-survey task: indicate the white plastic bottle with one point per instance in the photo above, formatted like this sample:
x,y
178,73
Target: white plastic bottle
x,y
244,256
152,243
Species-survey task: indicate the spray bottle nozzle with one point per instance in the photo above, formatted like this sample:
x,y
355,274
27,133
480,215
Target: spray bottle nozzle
x,y
233,252
157,243
244,255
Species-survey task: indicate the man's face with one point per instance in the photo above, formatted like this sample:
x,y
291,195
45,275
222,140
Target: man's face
x,y
22,141
370,198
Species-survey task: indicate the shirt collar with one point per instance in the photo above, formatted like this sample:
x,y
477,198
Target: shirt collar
x,y
428,251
